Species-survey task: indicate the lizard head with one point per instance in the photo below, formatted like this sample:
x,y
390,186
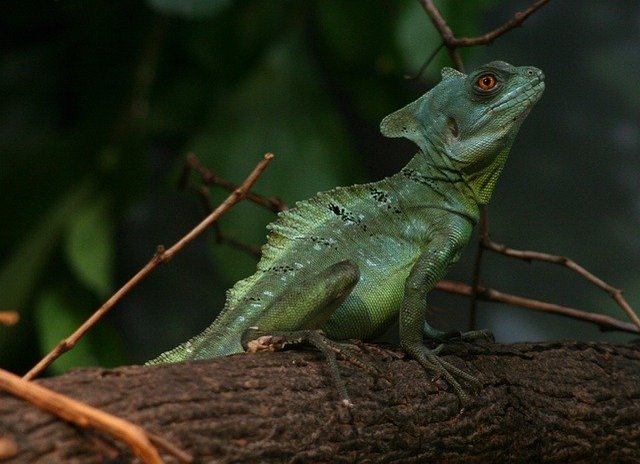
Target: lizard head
x,y
468,122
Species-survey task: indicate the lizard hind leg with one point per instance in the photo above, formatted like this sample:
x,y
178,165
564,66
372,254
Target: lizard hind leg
x,y
297,316
255,340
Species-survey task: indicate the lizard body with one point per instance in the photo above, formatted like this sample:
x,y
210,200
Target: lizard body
x,y
353,260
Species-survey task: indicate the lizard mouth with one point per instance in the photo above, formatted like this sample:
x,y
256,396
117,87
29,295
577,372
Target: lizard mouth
x,y
530,93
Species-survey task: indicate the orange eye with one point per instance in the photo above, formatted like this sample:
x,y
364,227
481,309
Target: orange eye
x,y
487,81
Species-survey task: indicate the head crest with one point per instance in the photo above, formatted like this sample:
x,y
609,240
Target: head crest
x,y
406,123
450,73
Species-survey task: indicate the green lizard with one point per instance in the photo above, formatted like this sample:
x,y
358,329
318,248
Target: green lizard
x,y
353,260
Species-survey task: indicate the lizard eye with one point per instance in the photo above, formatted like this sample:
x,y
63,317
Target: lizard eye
x,y
486,82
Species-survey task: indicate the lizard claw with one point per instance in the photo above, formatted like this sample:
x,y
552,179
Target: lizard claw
x,y
442,369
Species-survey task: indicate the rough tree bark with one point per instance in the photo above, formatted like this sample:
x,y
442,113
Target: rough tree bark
x,y
552,402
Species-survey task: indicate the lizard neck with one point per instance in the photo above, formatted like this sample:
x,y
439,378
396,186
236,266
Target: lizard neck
x,y
474,181
441,185
482,182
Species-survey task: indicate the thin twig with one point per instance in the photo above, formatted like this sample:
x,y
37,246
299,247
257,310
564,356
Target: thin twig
x,y
164,444
82,415
488,294
220,236
483,235
517,19
160,256
274,204
425,64
9,318
445,32
528,255
453,42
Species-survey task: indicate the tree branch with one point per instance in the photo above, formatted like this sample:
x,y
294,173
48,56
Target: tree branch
x,y
192,162
453,42
551,402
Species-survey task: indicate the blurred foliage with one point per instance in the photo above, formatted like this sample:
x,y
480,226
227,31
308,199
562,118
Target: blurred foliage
x,y
102,100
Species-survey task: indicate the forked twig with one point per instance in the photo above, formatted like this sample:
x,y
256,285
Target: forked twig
x,y
160,256
192,162
453,43
86,416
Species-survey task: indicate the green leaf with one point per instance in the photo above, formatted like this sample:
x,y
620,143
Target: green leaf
x,y
90,247
20,272
55,321
190,9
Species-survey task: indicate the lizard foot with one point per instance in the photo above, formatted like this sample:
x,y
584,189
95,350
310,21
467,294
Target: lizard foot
x,y
352,352
254,340
440,368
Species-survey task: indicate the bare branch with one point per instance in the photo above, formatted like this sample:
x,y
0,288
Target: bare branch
x,y
425,64
161,256
220,236
453,42
527,255
477,266
489,37
208,176
488,294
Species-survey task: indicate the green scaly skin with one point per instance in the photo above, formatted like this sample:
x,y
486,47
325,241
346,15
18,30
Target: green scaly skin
x,y
353,260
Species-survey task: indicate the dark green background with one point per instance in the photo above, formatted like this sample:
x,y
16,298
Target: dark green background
x,y
101,100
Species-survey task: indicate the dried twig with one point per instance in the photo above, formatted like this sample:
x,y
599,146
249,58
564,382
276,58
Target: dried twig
x,y
528,255
453,43
604,322
9,318
220,236
161,256
86,416
208,176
